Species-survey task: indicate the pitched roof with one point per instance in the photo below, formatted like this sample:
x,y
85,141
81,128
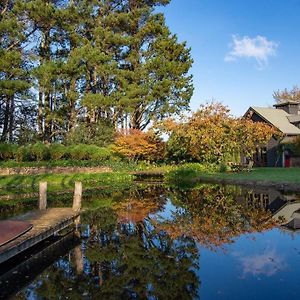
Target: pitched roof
x,y
277,118
294,118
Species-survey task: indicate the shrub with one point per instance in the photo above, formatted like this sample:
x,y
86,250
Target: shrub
x,y
189,171
223,168
78,152
88,152
99,153
23,154
39,151
8,151
57,151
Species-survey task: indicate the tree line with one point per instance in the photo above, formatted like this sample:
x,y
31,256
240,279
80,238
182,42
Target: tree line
x,y
79,69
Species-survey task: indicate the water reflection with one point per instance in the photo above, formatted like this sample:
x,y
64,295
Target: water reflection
x,y
136,261
213,216
268,263
145,243
14,276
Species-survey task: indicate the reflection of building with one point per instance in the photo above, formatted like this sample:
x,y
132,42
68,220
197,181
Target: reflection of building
x,y
284,207
258,200
286,118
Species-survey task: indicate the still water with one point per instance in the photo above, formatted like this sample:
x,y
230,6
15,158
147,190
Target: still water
x,y
156,242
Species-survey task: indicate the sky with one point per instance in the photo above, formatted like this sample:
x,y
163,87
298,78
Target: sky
x,y
243,50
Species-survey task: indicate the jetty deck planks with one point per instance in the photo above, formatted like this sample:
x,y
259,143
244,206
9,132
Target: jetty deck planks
x,y
45,223
11,229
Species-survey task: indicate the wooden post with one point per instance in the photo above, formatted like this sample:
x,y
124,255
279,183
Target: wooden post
x,y
43,195
77,196
78,259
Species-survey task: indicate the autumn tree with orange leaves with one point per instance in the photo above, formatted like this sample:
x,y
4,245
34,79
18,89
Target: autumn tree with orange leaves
x,y
136,144
212,135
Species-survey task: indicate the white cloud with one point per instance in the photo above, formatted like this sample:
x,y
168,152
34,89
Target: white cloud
x,y
258,48
268,264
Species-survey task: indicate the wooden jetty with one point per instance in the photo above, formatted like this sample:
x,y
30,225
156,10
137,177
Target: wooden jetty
x,y
15,276
45,223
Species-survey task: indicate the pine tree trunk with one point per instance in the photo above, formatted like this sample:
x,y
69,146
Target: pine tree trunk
x,y
11,119
72,108
47,120
44,109
6,120
40,114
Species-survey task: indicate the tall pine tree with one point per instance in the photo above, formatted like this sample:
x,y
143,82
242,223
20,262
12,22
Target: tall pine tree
x,y
155,66
13,68
89,63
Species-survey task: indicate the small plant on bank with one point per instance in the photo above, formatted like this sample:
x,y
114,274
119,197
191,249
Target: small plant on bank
x,y
57,151
22,154
77,152
39,151
190,171
8,151
99,153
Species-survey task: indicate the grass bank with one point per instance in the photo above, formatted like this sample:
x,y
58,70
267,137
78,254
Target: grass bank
x,y
273,177
280,175
22,184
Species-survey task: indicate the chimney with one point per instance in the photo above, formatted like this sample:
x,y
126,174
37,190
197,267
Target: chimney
x,y
291,107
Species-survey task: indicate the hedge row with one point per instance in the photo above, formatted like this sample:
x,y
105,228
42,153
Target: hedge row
x,y
40,151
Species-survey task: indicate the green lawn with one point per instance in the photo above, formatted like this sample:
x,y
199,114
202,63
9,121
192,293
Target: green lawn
x,y
277,175
21,184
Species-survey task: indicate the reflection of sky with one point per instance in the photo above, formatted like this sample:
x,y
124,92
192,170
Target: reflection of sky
x,y
257,266
166,213
266,264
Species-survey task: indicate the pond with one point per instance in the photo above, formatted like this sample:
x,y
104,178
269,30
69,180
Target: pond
x,y
158,242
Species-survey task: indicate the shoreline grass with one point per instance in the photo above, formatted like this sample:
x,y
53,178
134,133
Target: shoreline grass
x,y
276,175
18,184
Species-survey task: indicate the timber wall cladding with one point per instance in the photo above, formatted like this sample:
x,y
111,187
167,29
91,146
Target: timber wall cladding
x,y
56,170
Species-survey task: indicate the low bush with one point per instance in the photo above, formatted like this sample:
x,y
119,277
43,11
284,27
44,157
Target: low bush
x,y
223,168
79,152
8,151
57,151
187,172
99,153
88,152
23,154
39,151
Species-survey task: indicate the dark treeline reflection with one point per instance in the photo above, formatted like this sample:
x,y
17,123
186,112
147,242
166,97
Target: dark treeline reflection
x,y
143,243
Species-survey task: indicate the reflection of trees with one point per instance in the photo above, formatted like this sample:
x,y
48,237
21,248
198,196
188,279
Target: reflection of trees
x,y
136,210
213,217
124,257
135,262
128,254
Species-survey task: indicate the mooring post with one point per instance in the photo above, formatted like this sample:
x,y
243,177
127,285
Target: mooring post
x,y
77,196
78,259
43,195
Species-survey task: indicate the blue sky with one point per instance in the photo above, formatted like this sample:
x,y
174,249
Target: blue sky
x,y
243,50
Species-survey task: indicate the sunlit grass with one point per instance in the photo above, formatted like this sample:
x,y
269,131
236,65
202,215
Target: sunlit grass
x,y
279,175
15,184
